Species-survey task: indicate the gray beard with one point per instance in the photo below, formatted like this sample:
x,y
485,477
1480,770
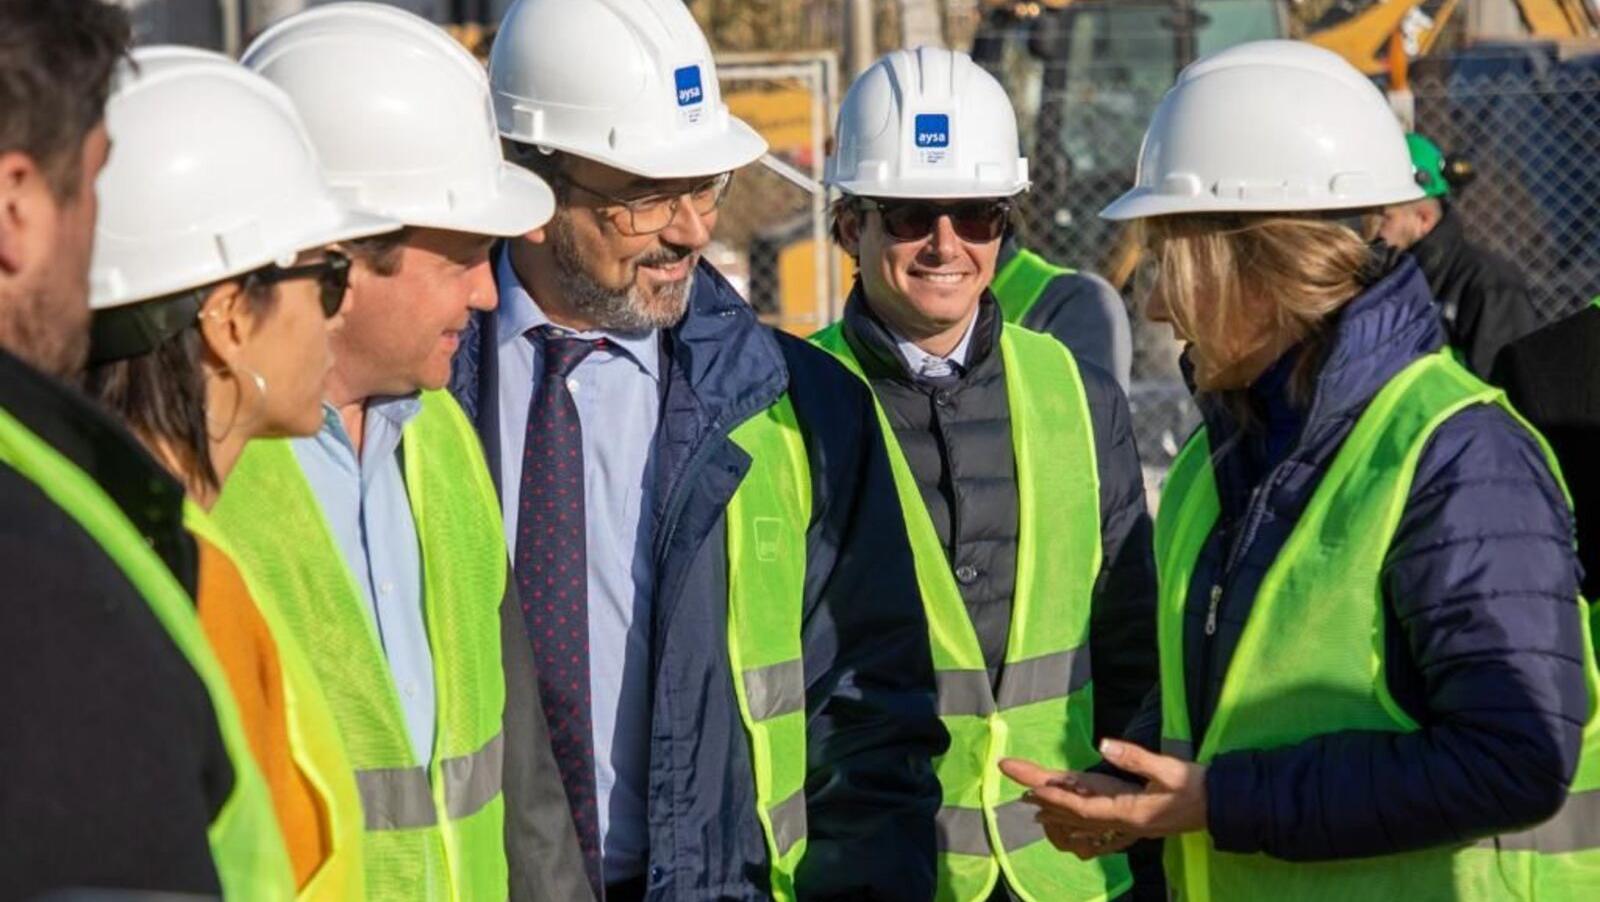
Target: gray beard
x,y
628,310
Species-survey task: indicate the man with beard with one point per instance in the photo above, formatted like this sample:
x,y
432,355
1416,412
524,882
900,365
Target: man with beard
x,y
714,573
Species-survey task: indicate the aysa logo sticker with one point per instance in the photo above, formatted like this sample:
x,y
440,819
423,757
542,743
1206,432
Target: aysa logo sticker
x,y
691,94
933,130
931,137
689,90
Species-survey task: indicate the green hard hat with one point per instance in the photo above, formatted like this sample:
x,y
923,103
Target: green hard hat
x,y
1430,165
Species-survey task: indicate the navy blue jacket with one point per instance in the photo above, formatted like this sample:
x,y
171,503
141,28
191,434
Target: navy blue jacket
x,y
1480,587
872,729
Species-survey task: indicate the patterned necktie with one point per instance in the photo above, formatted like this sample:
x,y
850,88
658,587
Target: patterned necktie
x,y
551,570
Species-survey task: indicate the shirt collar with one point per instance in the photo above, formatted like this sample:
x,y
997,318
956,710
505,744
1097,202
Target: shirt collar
x,y
519,312
921,363
391,412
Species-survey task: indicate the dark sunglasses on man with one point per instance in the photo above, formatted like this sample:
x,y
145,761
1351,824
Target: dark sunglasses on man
x,y
977,221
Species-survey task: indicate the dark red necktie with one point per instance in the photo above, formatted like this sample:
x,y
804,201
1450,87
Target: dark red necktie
x,y
551,570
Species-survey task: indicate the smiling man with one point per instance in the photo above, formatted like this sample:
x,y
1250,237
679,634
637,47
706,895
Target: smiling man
x,y
379,536
715,581
1016,468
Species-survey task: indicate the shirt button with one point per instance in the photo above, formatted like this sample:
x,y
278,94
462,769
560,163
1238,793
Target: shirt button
x,y
572,385
410,689
966,574
386,588
943,398
656,873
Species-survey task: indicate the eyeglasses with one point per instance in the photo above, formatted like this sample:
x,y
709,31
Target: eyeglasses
x,y
978,221
651,213
332,273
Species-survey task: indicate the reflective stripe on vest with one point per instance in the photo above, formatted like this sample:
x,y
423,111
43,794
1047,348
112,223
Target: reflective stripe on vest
x,y
314,742
433,832
1021,283
1043,710
767,519
246,845
1310,662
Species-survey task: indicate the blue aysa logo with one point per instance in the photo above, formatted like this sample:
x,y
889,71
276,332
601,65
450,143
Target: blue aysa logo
x,y
933,130
688,81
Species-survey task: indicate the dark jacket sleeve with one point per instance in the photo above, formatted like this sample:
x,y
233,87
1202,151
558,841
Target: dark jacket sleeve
x,y
1122,627
1481,586
873,730
541,843
1495,311
1083,312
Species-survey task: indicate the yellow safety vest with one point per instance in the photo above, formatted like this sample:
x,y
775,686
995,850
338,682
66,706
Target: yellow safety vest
x,y
314,742
1043,709
434,831
767,518
1311,662
1021,283
246,846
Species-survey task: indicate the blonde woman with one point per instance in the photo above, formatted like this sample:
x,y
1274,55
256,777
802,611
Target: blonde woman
x,y
213,286
1376,672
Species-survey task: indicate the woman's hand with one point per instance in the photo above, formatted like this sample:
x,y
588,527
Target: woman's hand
x,y
1080,809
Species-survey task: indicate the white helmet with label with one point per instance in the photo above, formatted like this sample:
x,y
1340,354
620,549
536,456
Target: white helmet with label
x,y
927,123
401,116
627,83
212,176
1269,126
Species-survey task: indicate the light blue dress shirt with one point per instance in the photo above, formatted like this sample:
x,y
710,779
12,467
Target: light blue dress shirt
x,y
369,513
617,392
920,363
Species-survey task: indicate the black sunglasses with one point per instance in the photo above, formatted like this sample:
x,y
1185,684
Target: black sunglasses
x,y
332,273
979,221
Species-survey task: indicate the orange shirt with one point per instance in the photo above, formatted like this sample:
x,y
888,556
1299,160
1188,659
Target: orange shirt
x,y
249,657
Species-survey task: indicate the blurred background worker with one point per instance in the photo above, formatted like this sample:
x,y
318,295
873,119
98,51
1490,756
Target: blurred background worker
x,y
1553,378
1375,675
718,590
381,533
213,286
121,747
1482,296
1015,464
1078,309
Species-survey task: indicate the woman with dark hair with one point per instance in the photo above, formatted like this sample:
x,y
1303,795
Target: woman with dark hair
x,y
213,287
1377,675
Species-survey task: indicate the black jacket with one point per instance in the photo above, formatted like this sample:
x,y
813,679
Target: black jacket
x,y
871,728
1553,378
957,440
113,763
1482,296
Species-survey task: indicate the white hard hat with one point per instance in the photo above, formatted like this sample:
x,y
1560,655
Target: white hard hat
x,y
627,83
927,123
212,176
1269,126
400,114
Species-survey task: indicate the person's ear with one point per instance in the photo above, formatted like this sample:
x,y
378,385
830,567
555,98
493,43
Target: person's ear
x,y
226,321
27,214
849,222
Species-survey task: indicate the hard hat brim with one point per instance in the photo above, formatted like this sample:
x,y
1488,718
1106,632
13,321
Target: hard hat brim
x,y
519,203
714,154
1143,203
933,190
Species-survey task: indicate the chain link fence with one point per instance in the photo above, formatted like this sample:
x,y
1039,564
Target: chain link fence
x,y
772,235
1530,124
